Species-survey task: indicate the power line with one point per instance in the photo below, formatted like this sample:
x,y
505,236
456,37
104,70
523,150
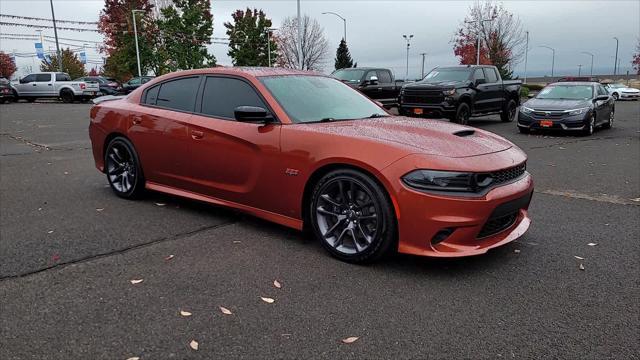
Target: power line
x,y
46,26
45,19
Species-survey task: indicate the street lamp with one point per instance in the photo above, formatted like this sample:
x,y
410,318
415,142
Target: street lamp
x,y
579,69
480,22
590,54
553,57
408,39
343,20
55,33
269,30
526,55
135,32
422,72
615,63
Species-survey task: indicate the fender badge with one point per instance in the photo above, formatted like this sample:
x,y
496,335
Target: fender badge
x,y
291,172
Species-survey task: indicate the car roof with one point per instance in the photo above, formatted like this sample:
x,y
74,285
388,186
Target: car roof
x,y
575,83
251,71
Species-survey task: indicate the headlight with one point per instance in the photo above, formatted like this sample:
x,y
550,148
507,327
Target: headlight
x,y
449,92
446,180
401,91
578,111
526,110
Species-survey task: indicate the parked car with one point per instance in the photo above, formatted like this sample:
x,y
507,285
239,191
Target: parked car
x,y
54,85
460,92
307,151
135,83
108,85
622,92
6,92
377,83
578,78
569,106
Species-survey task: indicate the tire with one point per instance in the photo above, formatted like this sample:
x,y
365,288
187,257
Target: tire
x,y
615,96
462,114
66,96
590,126
524,130
337,217
609,123
508,114
123,170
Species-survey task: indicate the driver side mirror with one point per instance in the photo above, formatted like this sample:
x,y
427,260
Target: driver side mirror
x,y
252,114
373,80
602,98
22,81
480,81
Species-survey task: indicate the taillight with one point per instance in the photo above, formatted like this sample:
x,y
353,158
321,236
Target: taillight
x,y
82,86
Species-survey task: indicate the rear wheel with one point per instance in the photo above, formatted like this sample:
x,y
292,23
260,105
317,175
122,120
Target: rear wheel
x,y
352,216
509,111
463,113
66,96
123,169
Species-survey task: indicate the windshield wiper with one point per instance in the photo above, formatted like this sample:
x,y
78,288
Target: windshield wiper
x,y
327,119
376,115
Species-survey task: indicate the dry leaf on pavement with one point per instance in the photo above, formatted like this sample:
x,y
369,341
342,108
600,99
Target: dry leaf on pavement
x,y
267,300
161,204
99,209
592,244
517,251
169,257
133,358
578,257
136,281
277,284
193,344
225,310
50,232
350,339
185,313
581,267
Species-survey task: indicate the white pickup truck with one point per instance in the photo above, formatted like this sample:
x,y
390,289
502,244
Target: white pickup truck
x,y
54,85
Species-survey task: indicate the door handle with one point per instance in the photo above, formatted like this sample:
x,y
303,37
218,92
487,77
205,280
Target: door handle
x,y
197,135
50,84
33,84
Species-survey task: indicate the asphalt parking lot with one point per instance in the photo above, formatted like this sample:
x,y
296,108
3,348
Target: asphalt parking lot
x,y
69,249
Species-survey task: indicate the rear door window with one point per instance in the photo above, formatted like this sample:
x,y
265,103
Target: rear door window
x,y
384,76
222,95
63,77
43,77
179,94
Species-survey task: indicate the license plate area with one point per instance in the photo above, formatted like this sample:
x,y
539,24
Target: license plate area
x,y
418,111
546,123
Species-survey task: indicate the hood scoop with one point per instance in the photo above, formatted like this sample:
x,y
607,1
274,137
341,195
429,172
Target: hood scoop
x,y
464,133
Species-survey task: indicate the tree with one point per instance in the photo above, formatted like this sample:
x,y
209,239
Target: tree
x,y
248,38
7,66
343,57
636,58
70,64
116,24
185,30
501,39
314,45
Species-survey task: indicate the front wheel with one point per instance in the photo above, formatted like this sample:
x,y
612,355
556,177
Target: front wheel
x,y
615,96
352,216
66,96
123,169
590,126
509,111
463,113
609,123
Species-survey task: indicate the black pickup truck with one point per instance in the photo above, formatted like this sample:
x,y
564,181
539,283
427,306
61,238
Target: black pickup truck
x,y
460,92
376,83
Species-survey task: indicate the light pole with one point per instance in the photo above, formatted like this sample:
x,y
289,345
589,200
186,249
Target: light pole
x,y
300,47
423,57
55,32
408,39
135,32
615,63
480,23
526,55
579,69
553,57
344,23
269,43
590,54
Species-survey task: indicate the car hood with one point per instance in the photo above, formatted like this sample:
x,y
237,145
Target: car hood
x,y
427,84
551,104
430,137
632,90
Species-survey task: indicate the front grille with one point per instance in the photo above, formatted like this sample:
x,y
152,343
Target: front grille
x,y
548,114
506,175
496,225
422,96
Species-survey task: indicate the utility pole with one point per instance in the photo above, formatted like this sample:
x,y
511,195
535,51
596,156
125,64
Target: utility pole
x,y
579,69
423,57
553,58
55,32
526,55
408,39
615,63
300,47
135,32
269,43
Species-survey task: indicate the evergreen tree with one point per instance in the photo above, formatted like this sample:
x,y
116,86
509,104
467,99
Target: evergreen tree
x,y
248,38
343,57
70,64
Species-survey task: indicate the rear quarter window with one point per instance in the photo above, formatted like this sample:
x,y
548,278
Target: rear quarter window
x,y
179,94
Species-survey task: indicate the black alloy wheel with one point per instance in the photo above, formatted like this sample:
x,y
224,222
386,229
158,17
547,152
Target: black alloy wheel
x,y
123,169
508,114
352,217
590,126
609,123
462,114
66,96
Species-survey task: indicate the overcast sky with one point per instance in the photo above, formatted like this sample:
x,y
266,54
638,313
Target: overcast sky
x,y
375,28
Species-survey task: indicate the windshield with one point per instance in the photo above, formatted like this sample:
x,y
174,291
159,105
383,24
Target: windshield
x,y
568,92
317,98
448,75
349,75
616,86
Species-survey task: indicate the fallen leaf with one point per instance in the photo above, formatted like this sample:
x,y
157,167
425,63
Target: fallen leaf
x,y
237,241
167,258
581,267
636,199
185,313
350,339
161,204
277,284
578,257
225,310
561,148
99,209
50,232
267,300
136,281
55,257
194,345
133,358
517,251
39,209
66,173
592,244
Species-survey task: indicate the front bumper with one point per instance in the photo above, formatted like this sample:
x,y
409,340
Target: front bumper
x,y
436,110
629,96
567,123
476,224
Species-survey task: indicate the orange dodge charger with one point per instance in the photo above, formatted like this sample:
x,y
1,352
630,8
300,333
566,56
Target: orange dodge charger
x,y
306,151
